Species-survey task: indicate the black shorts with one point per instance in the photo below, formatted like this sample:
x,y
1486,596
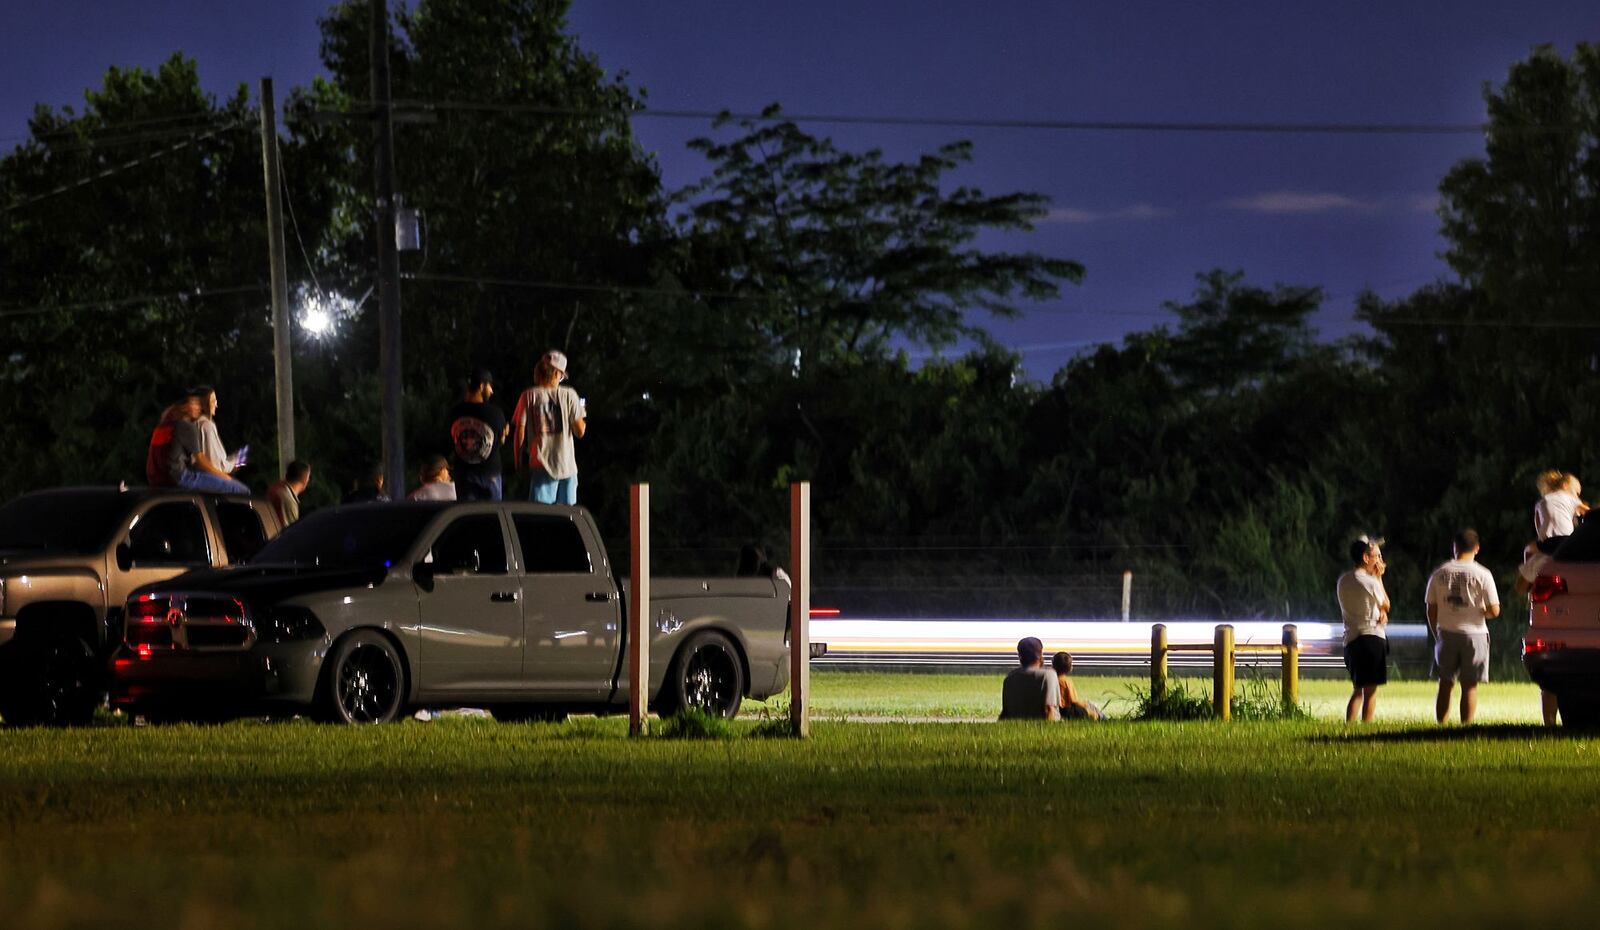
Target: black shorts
x,y
1367,659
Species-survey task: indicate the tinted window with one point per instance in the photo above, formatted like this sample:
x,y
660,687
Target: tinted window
x,y
62,521
170,534
551,545
242,532
472,544
363,536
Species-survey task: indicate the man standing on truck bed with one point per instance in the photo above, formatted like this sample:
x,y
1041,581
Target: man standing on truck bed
x,y
1461,600
547,420
477,430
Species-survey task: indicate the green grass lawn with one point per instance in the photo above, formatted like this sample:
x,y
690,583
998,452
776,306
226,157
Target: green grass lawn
x,y
465,822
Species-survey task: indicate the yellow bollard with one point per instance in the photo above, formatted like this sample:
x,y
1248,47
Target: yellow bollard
x,y
1222,672
1158,662
1291,667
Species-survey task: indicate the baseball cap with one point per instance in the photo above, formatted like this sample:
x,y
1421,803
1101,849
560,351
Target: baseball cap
x,y
556,360
480,376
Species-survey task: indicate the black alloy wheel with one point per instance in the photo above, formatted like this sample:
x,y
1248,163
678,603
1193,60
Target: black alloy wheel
x,y
48,681
708,676
365,680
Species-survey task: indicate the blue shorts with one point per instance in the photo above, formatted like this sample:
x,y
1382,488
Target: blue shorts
x,y
544,489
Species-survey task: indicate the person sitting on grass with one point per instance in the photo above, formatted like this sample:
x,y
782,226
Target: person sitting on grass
x,y
1073,707
1030,691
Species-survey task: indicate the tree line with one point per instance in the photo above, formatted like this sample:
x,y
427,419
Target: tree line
x,y
749,330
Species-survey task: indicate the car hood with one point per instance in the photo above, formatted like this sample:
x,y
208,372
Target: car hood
x,y
268,583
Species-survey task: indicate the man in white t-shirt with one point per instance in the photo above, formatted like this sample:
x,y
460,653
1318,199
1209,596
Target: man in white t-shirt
x,y
1461,599
1364,605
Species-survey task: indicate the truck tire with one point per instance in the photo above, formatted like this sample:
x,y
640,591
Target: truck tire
x,y
364,681
48,681
707,675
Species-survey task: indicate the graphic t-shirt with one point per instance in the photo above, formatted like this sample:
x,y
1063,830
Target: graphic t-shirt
x,y
475,431
544,421
1461,591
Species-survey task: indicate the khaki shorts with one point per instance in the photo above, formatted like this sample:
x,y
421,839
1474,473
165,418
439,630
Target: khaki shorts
x,y
1462,657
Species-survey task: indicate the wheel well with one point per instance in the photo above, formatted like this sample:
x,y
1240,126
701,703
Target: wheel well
x,y
53,618
400,650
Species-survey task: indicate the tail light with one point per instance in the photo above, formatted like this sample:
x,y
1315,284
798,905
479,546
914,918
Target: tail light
x,y
1547,586
1532,646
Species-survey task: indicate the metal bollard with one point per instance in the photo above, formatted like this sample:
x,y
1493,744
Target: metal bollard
x,y
1291,667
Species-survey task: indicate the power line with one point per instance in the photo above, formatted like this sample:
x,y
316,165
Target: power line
x,y
118,302
955,122
108,172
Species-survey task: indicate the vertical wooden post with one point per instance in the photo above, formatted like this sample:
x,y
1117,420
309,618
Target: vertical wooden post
x,y
1127,594
639,610
1222,672
800,608
1291,667
282,359
1158,662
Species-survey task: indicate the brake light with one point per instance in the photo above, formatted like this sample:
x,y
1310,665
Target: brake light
x,y
1547,586
148,608
1541,645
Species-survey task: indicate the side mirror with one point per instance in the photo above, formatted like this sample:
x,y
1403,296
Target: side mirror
x,y
124,556
422,573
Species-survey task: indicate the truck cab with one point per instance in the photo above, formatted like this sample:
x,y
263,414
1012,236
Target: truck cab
x,y
69,559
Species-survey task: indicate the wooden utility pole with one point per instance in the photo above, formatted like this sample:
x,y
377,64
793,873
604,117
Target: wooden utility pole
x,y
639,610
800,608
282,359
394,447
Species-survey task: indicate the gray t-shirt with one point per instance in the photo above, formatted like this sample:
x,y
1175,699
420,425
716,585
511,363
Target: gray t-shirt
x,y
545,418
185,443
1027,692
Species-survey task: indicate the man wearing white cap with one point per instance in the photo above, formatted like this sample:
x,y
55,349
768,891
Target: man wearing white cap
x,y
547,420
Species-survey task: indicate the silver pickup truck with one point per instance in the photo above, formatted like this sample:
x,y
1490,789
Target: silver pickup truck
x,y
362,613
69,558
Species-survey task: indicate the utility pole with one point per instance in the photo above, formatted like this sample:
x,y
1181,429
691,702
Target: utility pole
x,y
394,450
282,361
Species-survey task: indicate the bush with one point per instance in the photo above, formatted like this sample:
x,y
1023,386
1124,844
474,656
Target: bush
x,y
694,723
1254,698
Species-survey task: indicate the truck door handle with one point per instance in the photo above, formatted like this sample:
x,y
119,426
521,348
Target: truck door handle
x,y
600,597
505,597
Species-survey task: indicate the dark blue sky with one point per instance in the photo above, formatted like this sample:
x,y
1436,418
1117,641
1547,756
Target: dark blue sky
x,y
1143,211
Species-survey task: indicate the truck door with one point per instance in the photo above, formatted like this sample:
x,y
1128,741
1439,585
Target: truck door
x,y
571,609
165,540
470,612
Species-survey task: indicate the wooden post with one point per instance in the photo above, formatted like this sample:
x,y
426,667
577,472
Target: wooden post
x,y
800,608
1291,667
1127,594
1222,672
639,611
1158,662
282,357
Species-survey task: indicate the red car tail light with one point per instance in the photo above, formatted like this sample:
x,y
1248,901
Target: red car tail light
x,y
148,608
1547,586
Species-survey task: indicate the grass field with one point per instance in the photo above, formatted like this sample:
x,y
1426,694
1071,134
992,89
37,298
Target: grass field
x,y
465,822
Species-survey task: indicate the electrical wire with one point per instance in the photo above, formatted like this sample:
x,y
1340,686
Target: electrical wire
x,y
109,172
952,122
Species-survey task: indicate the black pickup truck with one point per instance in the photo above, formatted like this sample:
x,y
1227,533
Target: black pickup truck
x,y
363,613
68,560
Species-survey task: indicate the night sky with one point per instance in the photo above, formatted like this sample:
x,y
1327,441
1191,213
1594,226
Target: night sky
x,y
1144,211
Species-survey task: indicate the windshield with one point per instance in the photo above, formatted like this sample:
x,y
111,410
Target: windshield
x,y
63,521
364,536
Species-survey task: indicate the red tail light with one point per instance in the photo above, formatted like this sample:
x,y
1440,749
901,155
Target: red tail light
x,y
148,608
1547,586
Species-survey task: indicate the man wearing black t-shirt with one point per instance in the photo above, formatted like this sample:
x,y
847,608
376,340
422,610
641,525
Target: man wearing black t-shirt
x,y
477,430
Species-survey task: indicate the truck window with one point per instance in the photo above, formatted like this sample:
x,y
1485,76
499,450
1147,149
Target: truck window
x,y
472,544
242,532
551,546
170,534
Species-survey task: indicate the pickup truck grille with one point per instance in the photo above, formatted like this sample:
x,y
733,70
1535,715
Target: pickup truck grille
x,y
176,622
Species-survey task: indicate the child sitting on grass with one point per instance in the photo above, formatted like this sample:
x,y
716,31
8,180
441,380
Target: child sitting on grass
x,y
1073,707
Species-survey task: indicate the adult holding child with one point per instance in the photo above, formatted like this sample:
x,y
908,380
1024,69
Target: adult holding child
x,y
547,420
1461,599
1364,605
